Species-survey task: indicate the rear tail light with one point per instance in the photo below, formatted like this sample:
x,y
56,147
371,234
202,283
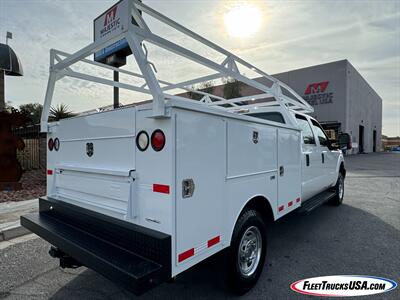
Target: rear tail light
x,y
142,140
158,140
50,144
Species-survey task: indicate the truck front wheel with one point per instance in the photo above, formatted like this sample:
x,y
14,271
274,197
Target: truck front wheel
x,y
339,190
246,255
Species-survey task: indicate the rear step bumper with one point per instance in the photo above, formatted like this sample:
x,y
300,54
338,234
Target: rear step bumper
x,y
133,256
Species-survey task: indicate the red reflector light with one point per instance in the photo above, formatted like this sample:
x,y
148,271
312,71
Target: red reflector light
x,y
185,255
213,241
158,140
50,144
161,188
49,172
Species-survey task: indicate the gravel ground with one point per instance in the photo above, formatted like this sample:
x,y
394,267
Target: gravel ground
x,y
33,186
360,237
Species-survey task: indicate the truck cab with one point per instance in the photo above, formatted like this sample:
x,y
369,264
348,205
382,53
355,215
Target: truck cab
x,y
322,163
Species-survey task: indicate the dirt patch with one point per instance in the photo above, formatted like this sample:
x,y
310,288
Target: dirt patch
x,y
33,186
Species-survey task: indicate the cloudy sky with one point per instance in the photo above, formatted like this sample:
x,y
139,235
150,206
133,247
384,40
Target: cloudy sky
x,y
285,35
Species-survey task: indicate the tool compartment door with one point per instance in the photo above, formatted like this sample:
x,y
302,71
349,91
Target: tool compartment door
x,y
289,170
200,156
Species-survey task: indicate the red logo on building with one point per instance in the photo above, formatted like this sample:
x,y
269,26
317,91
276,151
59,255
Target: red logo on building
x,y
110,15
316,88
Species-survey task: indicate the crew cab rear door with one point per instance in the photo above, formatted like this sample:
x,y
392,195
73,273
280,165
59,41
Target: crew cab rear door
x,y
311,160
328,157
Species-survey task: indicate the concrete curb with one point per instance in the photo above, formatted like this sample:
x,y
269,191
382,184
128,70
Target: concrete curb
x,y
10,213
12,230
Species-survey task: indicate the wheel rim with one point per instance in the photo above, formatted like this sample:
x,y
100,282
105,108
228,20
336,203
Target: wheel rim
x,y
250,251
341,188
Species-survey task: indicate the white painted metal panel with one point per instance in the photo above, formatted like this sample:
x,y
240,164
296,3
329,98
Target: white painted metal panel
x,y
115,123
245,156
200,149
240,190
103,193
155,210
289,170
311,176
112,134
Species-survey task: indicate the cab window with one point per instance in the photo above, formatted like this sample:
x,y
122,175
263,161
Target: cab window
x,y
308,136
322,137
270,116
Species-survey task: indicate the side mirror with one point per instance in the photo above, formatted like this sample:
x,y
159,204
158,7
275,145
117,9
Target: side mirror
x,y
344,141
333,145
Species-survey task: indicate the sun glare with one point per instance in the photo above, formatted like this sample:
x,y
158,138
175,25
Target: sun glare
x,y
243,20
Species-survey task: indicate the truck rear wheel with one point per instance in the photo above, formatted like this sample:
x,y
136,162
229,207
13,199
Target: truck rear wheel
x,y
246,255
339,190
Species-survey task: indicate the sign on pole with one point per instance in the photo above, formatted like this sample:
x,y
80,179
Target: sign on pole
x,y
109,24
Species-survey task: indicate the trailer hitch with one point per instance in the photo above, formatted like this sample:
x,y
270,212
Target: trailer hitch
x,y
66,261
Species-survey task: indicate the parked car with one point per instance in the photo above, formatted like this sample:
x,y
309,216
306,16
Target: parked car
x,y
396,149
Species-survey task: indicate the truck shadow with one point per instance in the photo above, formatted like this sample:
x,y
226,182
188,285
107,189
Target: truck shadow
x,y
329,241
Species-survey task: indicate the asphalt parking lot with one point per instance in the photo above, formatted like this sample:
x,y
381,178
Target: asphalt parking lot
x,y
360,237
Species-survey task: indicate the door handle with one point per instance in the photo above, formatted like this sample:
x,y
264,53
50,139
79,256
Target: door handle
x,y
323,157
307,160
281,171
187,188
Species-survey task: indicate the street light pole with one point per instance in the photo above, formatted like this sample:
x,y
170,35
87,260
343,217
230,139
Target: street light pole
x,y
2,91
3,79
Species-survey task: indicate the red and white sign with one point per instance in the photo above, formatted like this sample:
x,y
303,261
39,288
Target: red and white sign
x,y
316,88
316,93
112,22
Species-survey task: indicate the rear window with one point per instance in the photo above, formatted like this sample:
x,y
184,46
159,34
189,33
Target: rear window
x,y
308,136
322,137
270,116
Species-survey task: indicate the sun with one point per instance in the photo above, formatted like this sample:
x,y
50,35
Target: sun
x,y
243,20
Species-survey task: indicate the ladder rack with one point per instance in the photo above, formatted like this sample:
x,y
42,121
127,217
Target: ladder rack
x,y
275,93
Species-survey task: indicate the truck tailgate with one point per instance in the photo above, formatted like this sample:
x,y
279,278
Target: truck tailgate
x,y
93,166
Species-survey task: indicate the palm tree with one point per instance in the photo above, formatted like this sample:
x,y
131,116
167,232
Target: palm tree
x,y
60,112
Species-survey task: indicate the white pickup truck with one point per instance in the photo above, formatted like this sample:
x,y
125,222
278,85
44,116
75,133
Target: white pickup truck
x,y
142,193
